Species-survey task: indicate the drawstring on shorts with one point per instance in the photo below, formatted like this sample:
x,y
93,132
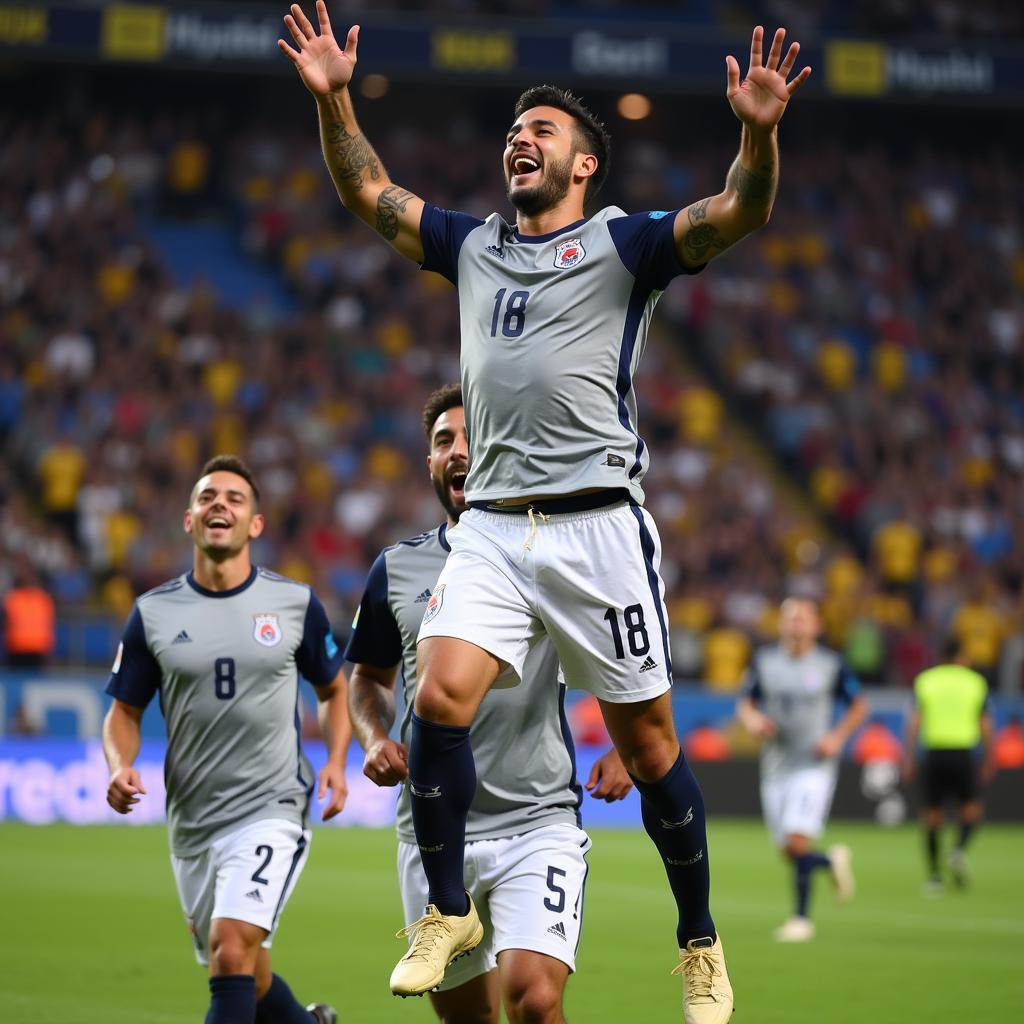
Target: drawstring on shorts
x,y
533,515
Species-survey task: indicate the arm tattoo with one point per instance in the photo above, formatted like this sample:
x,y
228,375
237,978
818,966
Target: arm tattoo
x,y
371,705
702,237
353,155
752,188
390,203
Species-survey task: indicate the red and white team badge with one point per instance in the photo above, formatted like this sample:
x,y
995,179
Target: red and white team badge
x,y
266,630
568,254
434,604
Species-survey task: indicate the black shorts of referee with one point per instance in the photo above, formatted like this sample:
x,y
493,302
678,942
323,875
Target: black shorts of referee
x,y
948,775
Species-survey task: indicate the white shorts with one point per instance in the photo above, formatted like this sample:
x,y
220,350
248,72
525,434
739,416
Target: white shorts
x,y
247,875
527,889
798,802
589,580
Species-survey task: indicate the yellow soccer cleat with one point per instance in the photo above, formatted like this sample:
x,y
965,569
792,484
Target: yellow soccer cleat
x,y
707,994
437,940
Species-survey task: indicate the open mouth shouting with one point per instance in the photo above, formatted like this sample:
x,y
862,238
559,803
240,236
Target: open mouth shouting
x,y
457,484
524,170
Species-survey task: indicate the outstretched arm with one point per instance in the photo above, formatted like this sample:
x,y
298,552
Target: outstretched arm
x,y
707,228
359,176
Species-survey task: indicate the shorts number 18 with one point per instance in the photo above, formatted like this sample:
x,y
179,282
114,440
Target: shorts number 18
x,y
636,630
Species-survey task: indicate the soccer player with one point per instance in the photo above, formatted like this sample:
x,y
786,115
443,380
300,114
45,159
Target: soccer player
x,y
950,717
525,849
223,645
554,310
790,702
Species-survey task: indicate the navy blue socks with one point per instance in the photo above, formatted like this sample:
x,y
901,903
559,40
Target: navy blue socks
x,y
279,1006
803,867
232,999
442,782
673,813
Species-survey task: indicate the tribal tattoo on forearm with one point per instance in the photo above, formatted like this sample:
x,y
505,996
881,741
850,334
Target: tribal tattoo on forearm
x,y
353,156
702,237
390,203
752,188
371,705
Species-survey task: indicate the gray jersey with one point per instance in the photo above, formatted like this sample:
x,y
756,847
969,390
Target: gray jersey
x,y
226,665
525,760
553,327
799,695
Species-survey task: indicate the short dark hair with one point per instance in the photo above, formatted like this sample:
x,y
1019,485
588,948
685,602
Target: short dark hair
x,y
441,400
591,134
231,464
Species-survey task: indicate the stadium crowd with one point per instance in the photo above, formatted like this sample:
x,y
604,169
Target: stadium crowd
x,y
835,409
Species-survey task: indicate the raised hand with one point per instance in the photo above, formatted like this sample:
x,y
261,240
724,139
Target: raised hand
x,y
322,65
759,101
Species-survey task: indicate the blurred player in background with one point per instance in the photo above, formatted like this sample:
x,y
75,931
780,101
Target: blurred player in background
x,y
790,702
554,313
223,645
950,718
525,849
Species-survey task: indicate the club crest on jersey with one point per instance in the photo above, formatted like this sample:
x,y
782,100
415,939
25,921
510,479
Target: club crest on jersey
x,y
434,604
266,630
568,254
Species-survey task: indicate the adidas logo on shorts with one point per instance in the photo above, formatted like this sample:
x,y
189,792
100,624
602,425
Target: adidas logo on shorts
x,y
558,929
254,895
648,664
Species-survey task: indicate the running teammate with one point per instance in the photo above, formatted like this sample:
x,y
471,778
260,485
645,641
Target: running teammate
x,y
223,646
554,311
791,698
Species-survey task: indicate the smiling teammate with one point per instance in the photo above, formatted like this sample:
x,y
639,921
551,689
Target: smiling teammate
x,y
554,312
223,646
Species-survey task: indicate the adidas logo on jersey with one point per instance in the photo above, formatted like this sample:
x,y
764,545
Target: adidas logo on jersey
x,y
648,664
496,250
558,929
182,638
423,598
254,895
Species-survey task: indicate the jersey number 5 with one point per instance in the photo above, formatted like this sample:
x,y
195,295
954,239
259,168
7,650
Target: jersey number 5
x,y
514,322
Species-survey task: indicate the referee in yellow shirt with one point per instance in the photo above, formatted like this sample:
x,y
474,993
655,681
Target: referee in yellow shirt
x,y
950,717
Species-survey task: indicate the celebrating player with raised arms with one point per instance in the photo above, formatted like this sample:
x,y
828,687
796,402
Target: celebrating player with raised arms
x,y
554,312
223,646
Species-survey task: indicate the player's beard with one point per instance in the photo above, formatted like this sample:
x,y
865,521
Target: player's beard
x,y
551,191
444,495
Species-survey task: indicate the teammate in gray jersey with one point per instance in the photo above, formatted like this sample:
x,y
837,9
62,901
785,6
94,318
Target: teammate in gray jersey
x,y
554,310
792,691
223,646
525,849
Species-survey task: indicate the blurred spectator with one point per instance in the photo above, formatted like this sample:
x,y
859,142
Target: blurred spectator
x,y
876,742
29,621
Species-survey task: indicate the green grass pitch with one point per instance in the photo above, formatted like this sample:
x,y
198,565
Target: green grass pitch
x,y
92,933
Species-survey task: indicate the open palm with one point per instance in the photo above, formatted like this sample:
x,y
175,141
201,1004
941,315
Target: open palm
x,y
759,101
323,66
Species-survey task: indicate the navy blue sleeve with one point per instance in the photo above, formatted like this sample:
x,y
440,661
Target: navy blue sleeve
x,y
442,233
847,685
375,638
318,657
647,247
752,684
135,675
